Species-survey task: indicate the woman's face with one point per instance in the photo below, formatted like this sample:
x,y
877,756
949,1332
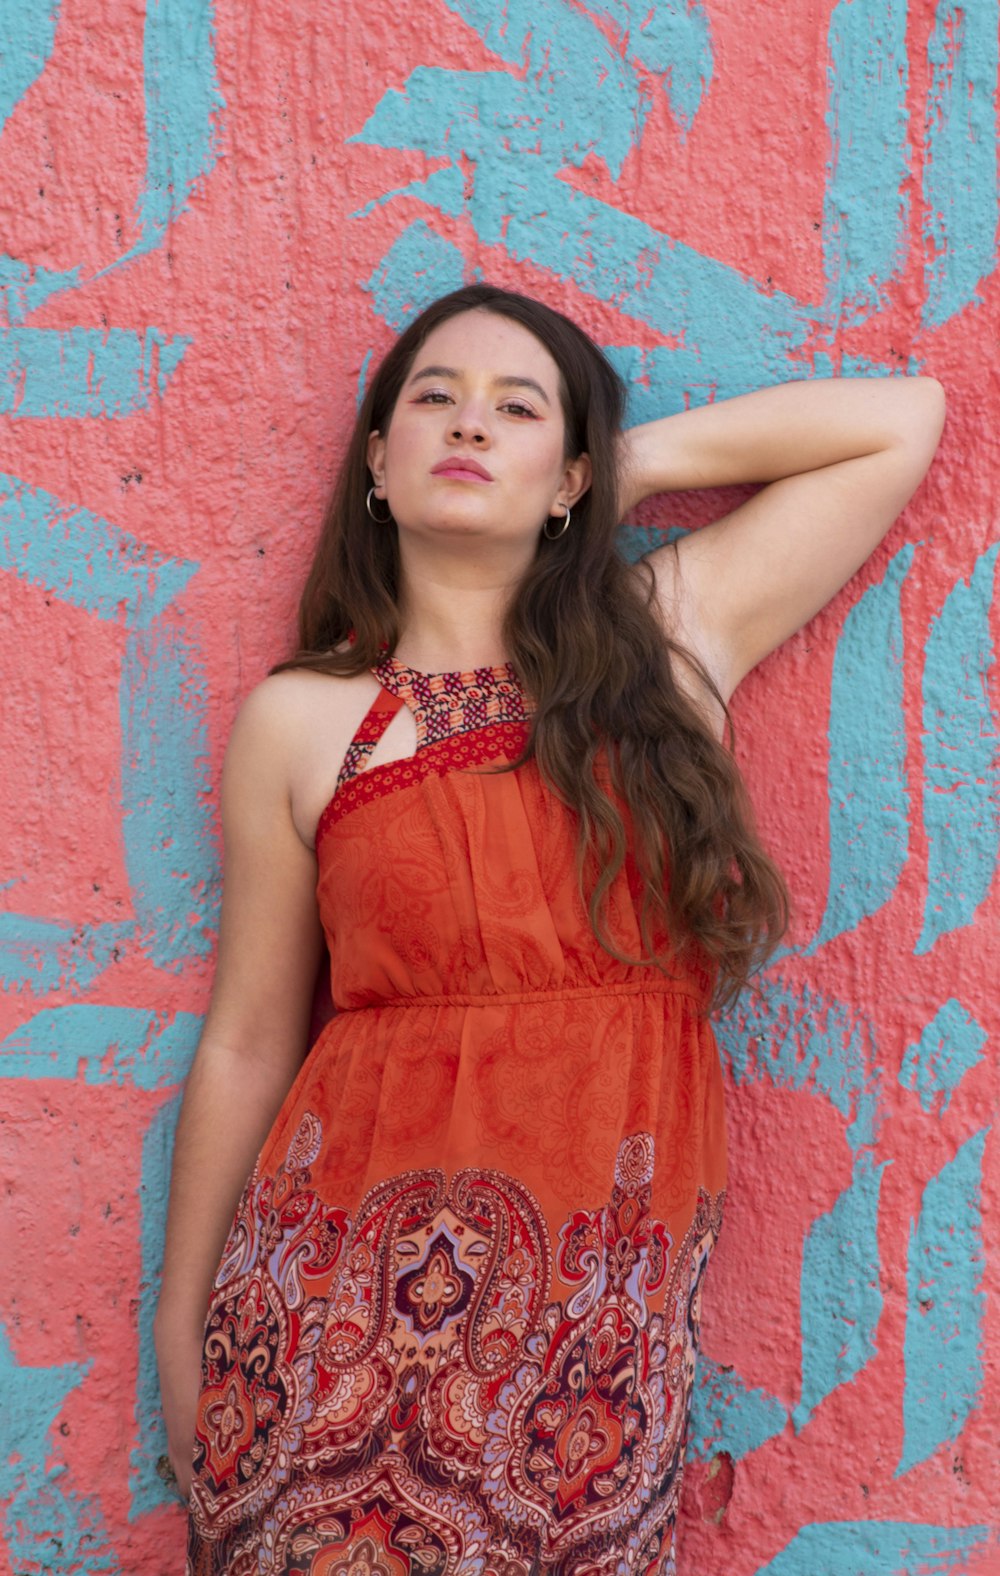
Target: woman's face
x,y
475,445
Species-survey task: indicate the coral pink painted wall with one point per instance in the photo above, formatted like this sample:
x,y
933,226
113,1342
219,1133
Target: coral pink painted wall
x,y
212,220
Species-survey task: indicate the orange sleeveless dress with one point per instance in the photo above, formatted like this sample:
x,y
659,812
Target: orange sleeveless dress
x,y
454,1328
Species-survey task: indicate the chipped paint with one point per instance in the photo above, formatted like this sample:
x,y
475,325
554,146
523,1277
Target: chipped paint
x,y
102,1045
797,1039
48,1525
949,1047
728,1415
418,267
41,955
674,40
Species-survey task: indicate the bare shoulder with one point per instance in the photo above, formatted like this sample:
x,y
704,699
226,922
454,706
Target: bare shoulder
x,y
290,737
283,701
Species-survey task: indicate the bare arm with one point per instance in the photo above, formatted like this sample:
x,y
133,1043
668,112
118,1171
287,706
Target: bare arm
x,y
838,460
253,1041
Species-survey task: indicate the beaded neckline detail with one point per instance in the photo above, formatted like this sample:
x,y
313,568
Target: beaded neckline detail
x,y
501,671
463,721
446,704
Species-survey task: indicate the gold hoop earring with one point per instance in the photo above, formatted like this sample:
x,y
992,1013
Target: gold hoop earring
x,y
371,511
553,536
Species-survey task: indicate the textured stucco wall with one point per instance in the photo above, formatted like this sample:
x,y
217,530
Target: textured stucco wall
x,y
211,221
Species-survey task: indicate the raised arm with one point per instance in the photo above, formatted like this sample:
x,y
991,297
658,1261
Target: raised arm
x,y
253,1041
839,458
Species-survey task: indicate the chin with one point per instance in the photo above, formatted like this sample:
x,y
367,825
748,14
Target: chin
x,y
459,523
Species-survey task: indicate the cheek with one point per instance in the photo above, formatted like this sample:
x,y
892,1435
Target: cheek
x,y
402,448
550,462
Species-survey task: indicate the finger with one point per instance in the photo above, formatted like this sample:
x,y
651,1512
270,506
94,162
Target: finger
x,y
165,1472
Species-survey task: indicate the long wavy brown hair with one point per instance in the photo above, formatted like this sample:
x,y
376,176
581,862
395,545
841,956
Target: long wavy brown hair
x,y
614,734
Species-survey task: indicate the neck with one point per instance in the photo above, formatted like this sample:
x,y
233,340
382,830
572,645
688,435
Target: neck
x,y
451,614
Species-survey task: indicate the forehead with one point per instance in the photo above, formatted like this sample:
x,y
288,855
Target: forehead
x,y
483,342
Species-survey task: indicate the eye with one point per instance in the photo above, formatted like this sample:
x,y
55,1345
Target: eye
x,y
432,397
517,407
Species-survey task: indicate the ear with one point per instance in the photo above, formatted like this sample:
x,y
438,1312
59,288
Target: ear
x,y
576,479
376,462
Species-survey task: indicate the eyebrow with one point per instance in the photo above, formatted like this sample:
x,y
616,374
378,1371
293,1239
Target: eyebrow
x,y
506,382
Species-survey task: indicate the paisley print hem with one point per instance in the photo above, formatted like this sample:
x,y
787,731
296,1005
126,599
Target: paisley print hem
x,y
454,1327
435,1378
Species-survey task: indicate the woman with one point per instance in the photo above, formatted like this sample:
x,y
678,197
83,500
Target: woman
x,y
455,1321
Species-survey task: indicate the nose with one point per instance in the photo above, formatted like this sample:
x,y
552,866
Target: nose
x,y
468,424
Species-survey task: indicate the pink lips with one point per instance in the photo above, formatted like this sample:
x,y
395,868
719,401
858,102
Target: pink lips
x,y
462,469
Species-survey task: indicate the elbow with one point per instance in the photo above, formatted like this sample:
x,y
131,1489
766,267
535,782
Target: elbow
x,y
934,394
917,419
931,407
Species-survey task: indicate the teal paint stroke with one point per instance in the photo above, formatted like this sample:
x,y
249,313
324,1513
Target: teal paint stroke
x,y
949,1047
359,398
728,1415
635,541
81,372
46,1525
661,381
573,94
943,1348
167,822
84,559
741,336
523,33
960,168
52,1528
485,114
418,267
102,1045
673,40
183,103
28,31
146,1487
799,1039
40,955
869,803
852,366
841,1301
506,138
865,207
22,292
961,763
183,107
32,1400
890,1548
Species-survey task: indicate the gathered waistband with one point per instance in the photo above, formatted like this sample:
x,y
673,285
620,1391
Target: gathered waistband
x,y
663,986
